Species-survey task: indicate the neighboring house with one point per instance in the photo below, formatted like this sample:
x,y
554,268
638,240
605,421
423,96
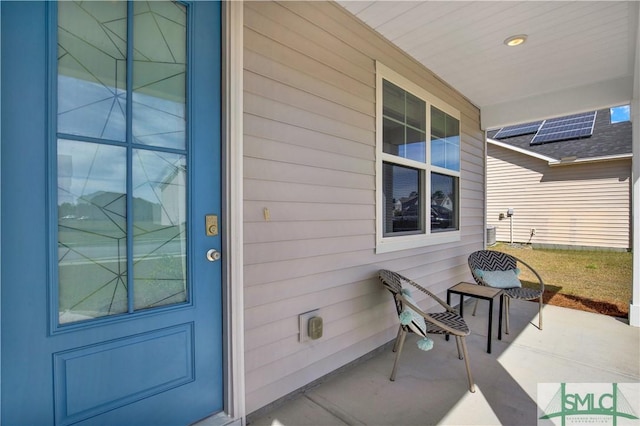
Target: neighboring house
x,y
568,181
296,181
442,200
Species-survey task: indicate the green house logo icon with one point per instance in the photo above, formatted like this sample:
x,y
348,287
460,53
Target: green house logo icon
x,y
584,404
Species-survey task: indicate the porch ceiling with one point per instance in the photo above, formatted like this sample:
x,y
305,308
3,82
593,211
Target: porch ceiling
x,y
579,55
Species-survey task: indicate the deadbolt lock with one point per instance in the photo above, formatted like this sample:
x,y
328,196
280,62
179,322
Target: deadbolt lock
x,y
211,225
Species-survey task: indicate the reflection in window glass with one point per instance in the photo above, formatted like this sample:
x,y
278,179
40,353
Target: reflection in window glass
x,y
393,105
393,136
159,70
445,140
92,238
403,206
415,111
404,123
92,69
444,196
159,241
104,208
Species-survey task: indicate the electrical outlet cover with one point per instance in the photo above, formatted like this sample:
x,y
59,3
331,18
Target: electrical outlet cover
x,y
303,324
315,328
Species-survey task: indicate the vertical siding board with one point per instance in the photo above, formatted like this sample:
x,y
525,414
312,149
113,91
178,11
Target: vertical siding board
x,y
581,205
310,160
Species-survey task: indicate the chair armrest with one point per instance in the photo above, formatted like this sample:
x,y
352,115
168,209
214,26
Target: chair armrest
x,y
393,282
433,296
430,319
530,268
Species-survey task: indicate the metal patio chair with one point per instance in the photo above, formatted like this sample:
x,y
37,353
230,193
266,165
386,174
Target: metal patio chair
x,y
446,323
485,263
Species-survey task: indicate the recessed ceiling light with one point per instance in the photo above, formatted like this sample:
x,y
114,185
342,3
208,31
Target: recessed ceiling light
x,y
516,40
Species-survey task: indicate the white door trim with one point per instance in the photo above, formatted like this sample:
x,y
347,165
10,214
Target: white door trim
x,y
232,124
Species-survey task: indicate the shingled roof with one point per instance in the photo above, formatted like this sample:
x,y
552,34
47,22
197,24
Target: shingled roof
x,y
607,140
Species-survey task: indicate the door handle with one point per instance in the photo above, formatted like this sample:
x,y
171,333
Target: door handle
x,y
213,255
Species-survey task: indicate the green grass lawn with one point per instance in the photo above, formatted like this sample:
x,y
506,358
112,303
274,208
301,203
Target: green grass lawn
x,y
596,281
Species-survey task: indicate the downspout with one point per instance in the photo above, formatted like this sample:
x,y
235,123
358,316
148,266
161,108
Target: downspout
x,y
511,229
484,186
634,308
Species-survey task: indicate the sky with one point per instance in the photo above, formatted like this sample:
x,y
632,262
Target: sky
x,y
621,113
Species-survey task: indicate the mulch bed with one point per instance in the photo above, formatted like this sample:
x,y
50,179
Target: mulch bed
x,y
583,304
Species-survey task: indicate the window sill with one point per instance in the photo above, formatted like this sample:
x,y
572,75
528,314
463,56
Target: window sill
x,y
391,244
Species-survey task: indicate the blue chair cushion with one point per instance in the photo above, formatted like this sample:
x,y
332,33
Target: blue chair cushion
x,y
415,321
409,317
500,279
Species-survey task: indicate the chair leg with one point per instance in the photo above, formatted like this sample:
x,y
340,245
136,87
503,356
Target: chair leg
x,y
507,301
472,386
460,356
395,345
401,337
475,307
540,314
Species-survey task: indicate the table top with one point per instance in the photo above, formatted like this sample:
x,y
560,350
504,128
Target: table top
x,y
475,290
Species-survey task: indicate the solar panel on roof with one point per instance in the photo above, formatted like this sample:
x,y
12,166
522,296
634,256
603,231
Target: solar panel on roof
x,y
517,130
563,128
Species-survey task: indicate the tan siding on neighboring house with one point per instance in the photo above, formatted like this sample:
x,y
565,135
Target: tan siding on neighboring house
x,y
582,205
309,159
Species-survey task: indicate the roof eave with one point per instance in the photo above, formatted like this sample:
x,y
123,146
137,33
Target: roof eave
x,y
601,159
554,162
521,151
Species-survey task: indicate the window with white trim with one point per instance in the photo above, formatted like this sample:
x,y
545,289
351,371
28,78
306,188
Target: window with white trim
x,y
418,166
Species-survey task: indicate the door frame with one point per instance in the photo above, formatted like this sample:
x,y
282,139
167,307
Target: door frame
x,y
232,209
232,216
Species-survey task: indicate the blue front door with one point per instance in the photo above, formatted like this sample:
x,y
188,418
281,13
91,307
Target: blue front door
x,y
111,287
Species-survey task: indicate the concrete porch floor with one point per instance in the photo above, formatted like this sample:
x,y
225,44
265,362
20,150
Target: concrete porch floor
x,y
431,387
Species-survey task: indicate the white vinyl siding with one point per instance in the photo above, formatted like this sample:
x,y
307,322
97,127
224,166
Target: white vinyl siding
x,y
310,161
581,205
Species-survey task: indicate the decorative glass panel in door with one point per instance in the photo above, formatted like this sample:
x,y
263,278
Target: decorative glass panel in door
x,y
122,157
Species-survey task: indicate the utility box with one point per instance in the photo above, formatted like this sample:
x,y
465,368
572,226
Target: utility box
x,y
491,235
310,326
315,328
